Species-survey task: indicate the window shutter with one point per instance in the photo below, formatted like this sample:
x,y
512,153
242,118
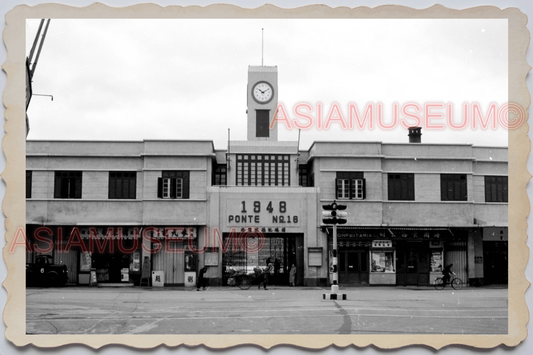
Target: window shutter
x,y
28,183
443,189
111,189
57,186
77,186
173,188
160,187
337,189
185,192
411,186
364,188
133,186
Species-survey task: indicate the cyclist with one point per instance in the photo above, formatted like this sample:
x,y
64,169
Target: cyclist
x,y
447,272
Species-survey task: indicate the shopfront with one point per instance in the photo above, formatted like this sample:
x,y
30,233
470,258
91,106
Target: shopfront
x,y
174,259
111,254
282,250
406,256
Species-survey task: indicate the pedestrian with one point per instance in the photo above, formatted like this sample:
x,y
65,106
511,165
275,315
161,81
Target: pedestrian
x,y
292,276
202,281
266,274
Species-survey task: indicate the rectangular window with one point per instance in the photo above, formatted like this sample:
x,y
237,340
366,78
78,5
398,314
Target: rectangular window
x,y
28,183
496,189
122,184
220,175
263,170
303,177
453,187
350,185
401,187
67,184
173,184
382,261
261,123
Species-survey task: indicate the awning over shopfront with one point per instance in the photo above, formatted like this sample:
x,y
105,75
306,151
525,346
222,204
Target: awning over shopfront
x,y
365,232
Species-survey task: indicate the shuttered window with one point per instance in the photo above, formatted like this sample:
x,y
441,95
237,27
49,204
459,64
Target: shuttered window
x,y
453,187
496,189
401,187
122,184
67,184
173,184
28,183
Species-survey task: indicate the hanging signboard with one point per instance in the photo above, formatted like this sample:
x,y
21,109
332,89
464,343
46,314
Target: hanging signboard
x,y
381,244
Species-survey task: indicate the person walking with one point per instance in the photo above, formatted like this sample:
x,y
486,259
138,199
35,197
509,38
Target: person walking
x,y
292,276
266,274
202,281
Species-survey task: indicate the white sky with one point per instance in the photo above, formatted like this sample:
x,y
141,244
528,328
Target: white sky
x,y
187,78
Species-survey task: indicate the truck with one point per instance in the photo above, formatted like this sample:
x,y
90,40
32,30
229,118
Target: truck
x,y
45,273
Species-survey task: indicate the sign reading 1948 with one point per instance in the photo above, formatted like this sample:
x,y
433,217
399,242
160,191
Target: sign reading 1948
x,y
263,212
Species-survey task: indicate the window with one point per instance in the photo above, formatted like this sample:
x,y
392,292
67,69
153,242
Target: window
x,y
261,123
28,183
350,185
263,170
382,261
173,184
303,177
122,184
401,187
453,187
219,177
67,184
496,189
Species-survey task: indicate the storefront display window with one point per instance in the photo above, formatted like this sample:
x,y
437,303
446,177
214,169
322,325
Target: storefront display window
x,y
382,261
85,262
436,261
135,262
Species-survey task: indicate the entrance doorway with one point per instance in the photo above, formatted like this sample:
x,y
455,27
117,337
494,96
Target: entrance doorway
x,y
413,264
495,264
282,250
353,267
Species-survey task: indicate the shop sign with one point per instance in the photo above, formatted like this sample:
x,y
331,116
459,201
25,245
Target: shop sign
x,y
381,244
341,234
266,213
114,233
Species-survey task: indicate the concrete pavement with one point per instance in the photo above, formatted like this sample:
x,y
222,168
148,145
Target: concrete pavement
x,y
279,310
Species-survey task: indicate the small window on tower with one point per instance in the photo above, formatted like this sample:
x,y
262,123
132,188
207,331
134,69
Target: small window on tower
x,y
261,123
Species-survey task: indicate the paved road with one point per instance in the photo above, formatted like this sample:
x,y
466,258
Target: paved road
x,y
279,310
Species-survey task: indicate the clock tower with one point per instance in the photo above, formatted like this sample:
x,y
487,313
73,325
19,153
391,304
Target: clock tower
x,y
262,100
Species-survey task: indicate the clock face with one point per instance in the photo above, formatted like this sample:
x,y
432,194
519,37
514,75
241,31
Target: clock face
x,y
262,92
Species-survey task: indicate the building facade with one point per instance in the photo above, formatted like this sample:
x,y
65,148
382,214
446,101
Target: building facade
x,y
158,210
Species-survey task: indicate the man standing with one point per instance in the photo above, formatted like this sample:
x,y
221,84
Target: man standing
x,y
202,281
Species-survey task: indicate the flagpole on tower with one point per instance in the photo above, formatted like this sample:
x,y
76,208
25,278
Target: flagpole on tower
x,y
262,45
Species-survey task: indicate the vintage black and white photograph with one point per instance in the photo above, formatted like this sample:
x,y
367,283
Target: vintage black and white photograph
x,y
253,176
216,180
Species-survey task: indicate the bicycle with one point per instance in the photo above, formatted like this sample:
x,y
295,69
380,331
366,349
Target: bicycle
x,y
243,281
455,282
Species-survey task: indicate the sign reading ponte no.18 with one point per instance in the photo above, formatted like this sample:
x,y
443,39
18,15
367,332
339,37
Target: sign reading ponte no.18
x,y
267,213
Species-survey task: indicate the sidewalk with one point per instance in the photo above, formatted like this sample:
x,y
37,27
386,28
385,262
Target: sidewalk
x,y
271,287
